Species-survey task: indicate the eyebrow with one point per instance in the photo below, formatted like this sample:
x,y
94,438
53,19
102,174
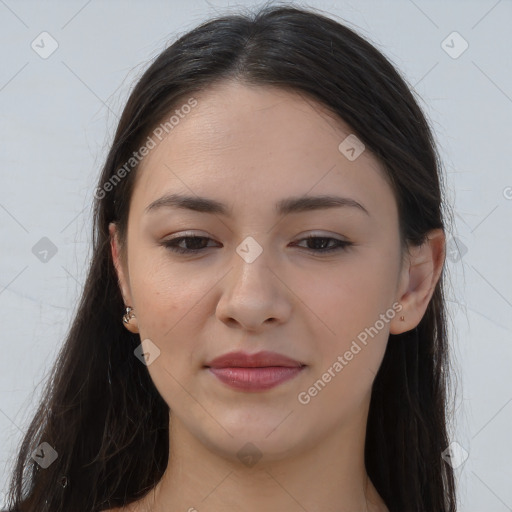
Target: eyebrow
x,y
282,207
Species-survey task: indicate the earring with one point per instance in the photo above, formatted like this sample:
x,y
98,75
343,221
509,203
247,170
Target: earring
x,y
130,320
128,315
402,318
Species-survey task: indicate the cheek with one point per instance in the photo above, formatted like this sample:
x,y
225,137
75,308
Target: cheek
x,y
354,305
351,296
168,305
164,293
350,352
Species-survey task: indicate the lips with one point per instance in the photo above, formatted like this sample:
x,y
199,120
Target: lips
x,y
254,372
258,360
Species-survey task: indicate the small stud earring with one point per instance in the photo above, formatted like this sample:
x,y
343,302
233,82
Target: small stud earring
x,y
402,318
128,315
130,321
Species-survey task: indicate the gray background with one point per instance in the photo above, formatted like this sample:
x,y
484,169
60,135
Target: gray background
x,y
58,115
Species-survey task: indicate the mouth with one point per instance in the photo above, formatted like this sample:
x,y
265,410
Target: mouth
x,y
254,372
255,379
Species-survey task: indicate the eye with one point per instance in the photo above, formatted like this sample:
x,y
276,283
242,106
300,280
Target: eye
x,y
322,241
174,244
196,244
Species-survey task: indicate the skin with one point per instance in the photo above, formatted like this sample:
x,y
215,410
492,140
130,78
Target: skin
x,y
250,147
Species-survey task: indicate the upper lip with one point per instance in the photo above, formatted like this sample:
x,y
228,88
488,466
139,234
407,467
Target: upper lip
x,y
257,360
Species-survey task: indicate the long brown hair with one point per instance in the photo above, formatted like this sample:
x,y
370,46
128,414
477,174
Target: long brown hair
x,y
101,412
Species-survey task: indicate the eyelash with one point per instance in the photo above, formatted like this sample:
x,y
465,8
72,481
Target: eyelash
x,y
172,244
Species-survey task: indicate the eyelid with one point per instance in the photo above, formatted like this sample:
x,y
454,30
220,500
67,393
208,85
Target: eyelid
x,y
300,236
172,244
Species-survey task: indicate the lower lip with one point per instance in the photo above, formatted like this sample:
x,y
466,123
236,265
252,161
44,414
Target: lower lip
x,y
255,379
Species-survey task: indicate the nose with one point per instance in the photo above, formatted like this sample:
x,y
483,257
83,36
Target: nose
x,y
254,295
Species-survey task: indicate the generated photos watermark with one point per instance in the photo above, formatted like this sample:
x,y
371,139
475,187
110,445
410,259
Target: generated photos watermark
x,y
304,397
160,132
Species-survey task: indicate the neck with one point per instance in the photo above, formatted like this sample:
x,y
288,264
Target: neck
x,y
326,477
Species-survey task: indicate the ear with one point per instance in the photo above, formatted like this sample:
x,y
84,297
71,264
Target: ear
x,y
118,264
420,273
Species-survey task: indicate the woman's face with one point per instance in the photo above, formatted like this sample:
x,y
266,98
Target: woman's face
x,y
255,283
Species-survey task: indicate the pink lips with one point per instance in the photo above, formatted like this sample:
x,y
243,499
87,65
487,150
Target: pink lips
x,y
254,372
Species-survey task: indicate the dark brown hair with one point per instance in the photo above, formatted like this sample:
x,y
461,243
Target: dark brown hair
x,y
100,410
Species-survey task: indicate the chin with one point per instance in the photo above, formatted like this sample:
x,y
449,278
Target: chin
x,y
257,443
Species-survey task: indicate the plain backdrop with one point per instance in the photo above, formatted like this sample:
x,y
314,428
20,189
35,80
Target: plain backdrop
x,y
58,114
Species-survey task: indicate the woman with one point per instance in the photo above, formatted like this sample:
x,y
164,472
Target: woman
x,y
263,323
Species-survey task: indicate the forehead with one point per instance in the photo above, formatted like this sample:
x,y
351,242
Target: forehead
x,y
258,144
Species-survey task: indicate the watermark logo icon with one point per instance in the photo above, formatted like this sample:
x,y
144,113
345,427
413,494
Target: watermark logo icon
x,y
455,250
455,455
44,250
44,45
351,147
44,455
249,454
249,249
147,352
454,45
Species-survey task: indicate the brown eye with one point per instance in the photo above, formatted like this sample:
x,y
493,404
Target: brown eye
x,y
195,243
320,244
